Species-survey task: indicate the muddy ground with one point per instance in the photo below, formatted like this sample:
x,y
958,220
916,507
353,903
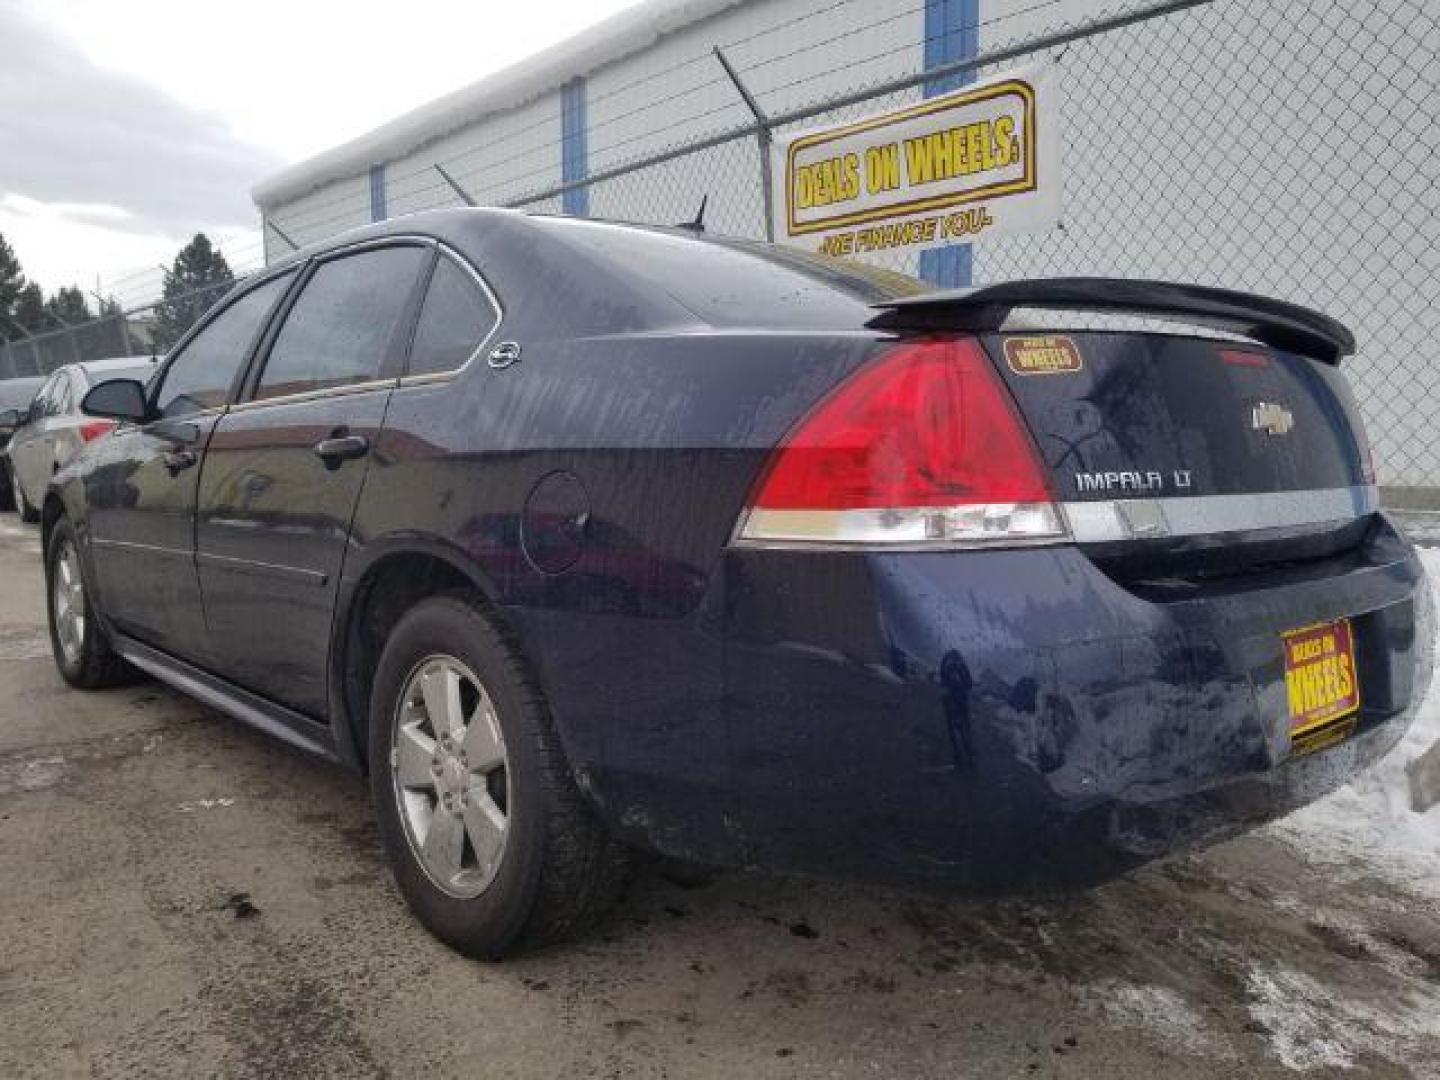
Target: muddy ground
x,y
181,897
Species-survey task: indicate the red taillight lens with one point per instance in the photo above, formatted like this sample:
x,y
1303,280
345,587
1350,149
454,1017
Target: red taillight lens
x,y
922,447
93,429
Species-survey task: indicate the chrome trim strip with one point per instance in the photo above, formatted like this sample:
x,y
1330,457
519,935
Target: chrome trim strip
x,y
882,548
297,574
315,395
179,418
430,378
419,239
319,253
147,549
1097,522
1110,520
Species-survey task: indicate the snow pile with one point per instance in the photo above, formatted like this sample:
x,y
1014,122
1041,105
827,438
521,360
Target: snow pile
x,y
1369,826
1160,1010
1313,1027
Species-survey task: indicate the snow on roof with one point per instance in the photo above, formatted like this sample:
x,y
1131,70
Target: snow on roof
x,y
628,32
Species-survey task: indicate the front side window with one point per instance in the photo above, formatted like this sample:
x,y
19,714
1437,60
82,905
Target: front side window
x,y
201,376
346,322
455,318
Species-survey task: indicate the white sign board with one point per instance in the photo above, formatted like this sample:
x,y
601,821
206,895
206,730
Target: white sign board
x,y
949,170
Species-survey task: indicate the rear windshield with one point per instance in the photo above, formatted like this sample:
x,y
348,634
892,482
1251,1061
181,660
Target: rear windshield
x,y
740,282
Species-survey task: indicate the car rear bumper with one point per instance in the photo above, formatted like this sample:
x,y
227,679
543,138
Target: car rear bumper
x,y
1019,719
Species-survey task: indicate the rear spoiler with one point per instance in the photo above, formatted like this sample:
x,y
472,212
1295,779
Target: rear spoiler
x,y
1271,322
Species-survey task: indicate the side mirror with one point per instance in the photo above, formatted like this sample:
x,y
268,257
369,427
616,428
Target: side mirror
x,y
10,418
117,399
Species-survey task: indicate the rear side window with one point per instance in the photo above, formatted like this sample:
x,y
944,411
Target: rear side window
x,y
456,318
45,400
345,323
200,377
64,394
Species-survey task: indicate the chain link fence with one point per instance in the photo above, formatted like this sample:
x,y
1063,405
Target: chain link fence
x,y
41,354
131,332
1287,148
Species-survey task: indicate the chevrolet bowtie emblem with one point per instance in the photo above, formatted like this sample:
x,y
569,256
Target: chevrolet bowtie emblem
x,y
1271,419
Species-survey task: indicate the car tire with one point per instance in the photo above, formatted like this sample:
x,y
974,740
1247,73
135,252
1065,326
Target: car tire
x,y
82,651
554,869
28,513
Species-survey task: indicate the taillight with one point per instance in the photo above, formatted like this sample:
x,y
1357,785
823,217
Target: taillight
x,y
93,429
922,448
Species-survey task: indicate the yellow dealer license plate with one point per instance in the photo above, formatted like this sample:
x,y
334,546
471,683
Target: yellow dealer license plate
x,y
1322,684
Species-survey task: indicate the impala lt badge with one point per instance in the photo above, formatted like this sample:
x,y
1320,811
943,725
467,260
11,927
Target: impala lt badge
x,y
1271,419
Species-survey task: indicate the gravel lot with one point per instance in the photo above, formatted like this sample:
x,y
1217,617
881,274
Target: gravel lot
x,y
183,897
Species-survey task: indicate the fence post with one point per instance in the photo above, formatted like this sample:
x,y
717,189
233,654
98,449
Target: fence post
x,y
762,142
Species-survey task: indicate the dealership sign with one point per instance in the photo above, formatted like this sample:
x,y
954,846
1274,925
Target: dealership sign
x,y
949,170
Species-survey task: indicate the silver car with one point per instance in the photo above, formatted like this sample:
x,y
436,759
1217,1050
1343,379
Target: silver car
x,y
15,398
54,428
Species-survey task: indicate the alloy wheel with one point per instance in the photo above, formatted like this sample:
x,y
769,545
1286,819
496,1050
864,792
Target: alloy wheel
x,y
450,776
68,598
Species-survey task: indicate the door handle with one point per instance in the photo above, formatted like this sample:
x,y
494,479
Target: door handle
x,y
341,449
177,461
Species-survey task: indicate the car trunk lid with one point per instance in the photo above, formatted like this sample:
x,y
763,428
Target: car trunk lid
x,y
1224,453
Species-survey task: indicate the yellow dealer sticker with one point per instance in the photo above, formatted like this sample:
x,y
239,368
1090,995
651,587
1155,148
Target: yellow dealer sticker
x,y
951,169
1042,355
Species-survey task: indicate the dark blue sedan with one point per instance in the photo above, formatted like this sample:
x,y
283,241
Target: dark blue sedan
x,y
583,539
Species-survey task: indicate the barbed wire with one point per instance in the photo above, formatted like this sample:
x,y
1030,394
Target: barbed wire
x,y
358,203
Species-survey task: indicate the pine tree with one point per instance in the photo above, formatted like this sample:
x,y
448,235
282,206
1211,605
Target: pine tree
x,y
68,307
12,282
30,309
199,277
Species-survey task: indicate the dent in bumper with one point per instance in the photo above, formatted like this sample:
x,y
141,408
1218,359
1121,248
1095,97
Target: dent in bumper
x,y
1017,719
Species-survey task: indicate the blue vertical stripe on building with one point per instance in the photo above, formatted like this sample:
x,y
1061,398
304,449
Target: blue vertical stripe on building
x,y
952,32
377,193
574,159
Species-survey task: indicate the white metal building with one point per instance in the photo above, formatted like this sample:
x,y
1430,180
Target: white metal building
x,y
644,81
1287,147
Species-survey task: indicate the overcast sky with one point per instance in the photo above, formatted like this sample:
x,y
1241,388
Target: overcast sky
x,y
125,127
